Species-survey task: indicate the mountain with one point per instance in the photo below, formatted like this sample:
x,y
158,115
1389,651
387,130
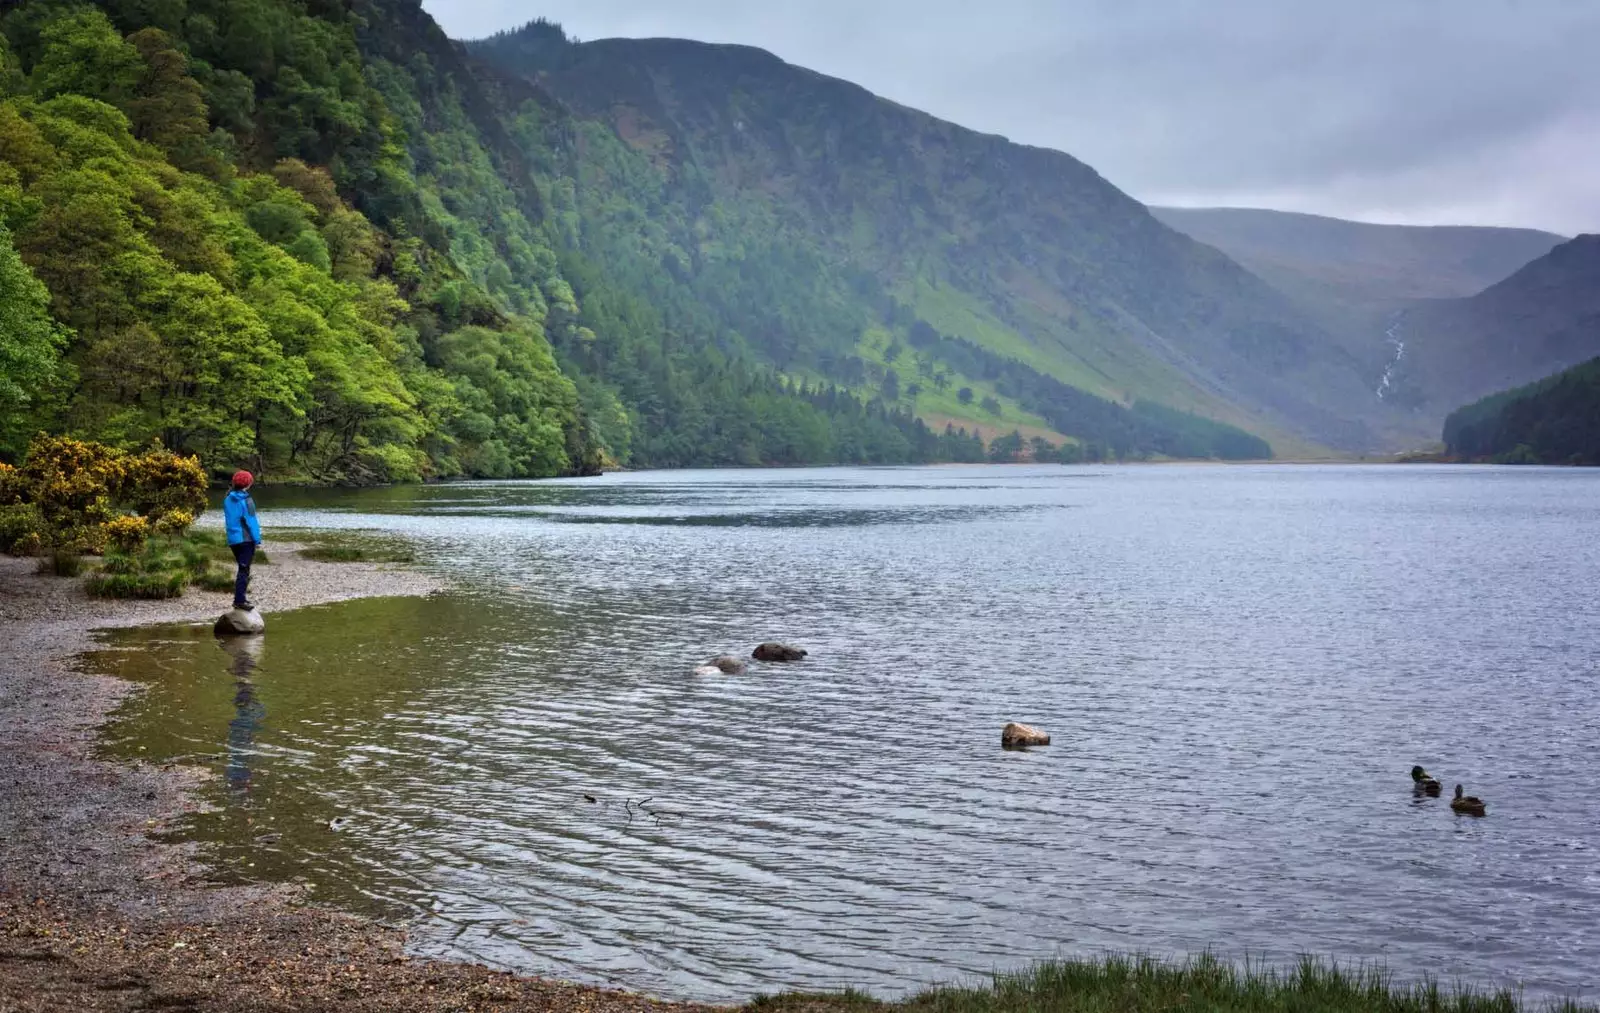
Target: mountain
x,y
1435,315
1544,318
1359,264
328,241
310,240
821,223
1553,421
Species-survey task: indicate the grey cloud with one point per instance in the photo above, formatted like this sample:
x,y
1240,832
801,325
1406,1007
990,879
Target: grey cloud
x,y
1475,111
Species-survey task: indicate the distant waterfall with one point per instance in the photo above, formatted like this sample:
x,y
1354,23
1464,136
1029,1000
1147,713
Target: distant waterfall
x,y
1399,345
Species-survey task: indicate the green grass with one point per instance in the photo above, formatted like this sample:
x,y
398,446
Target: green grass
x,y
216,577
354,547
164,567
1134,984
60,563
139,584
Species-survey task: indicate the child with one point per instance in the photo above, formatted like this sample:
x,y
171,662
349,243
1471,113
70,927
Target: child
x,y
244,533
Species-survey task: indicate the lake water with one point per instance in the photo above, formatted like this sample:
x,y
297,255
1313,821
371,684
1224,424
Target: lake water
x,y
1238,665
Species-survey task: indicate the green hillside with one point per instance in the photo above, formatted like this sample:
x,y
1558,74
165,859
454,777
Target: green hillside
x,y
309,243
805,212
1553,421
332,244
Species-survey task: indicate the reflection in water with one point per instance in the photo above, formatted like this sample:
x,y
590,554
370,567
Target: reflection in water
x,y
248,712
1239,667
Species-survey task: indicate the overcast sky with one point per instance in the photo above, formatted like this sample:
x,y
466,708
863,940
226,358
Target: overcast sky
x,y
1423,111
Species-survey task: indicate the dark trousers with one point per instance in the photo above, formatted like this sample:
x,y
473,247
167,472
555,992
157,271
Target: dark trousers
x,y
244,554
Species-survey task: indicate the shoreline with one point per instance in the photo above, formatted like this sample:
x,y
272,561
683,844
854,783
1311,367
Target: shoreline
x,y
98,912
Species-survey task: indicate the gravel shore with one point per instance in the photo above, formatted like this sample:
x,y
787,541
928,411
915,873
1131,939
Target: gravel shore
x,y
97,914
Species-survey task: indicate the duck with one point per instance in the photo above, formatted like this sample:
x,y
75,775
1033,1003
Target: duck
x,y
1424,782
1471,805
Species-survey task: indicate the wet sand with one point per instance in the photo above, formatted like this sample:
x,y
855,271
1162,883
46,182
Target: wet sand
x,y
98,912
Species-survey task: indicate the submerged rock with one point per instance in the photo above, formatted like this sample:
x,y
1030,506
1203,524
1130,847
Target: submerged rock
x,y
240,623
773,651
708,670
728,664
1015,736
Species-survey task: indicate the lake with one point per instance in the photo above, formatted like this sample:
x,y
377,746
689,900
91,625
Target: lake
x,y
1238,665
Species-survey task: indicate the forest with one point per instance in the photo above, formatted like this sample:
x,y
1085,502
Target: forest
x,y
1553,421
324,242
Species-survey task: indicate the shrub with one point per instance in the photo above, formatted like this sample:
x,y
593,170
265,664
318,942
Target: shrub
x,y
21,529
169,489
60,563
127,532
73,489
136,585
11,485
71,483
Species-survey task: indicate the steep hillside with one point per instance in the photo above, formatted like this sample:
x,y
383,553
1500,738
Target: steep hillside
x,y
240,260
1544,318
305,239
1358,264
818,223
1553,421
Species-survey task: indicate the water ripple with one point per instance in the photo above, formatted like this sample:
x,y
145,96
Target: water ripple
x,y
1238,667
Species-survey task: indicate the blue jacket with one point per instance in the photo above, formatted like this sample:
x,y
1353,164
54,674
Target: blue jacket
x,y
239,515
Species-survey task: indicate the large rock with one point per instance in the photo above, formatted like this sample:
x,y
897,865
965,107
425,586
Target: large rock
x,y
240,623
728,664
773,651
1015,736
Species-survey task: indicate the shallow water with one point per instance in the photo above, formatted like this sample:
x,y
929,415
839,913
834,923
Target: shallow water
x,y
1239,665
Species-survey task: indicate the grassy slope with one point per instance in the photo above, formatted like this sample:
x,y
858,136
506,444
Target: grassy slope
x,y
1024,251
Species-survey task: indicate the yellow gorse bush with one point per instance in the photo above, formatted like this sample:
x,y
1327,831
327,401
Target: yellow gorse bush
x,y
174,522
79,489
127,532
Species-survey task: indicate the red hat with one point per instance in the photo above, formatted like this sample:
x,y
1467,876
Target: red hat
x,y
243,480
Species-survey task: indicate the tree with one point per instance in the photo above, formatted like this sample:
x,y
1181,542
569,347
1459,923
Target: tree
x,y
83,55
991,405
891,387
964,395
30,344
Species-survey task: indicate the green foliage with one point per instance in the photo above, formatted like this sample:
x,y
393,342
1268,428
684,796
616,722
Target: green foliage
x,y
318,241
29,342
22,529
215,577
1135,984
1553,421
61,563
184,195
70,494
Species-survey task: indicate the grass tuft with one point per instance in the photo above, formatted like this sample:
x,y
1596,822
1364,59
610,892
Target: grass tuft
x,y
160,584
1123,983
215,577
60,563
348,548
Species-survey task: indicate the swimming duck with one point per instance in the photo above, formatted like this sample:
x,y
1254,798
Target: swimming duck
x,y
1424,782
1471,805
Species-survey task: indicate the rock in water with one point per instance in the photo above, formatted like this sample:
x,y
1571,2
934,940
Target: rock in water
x,y
708,670
778,652
728,664
1015,736
240,623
